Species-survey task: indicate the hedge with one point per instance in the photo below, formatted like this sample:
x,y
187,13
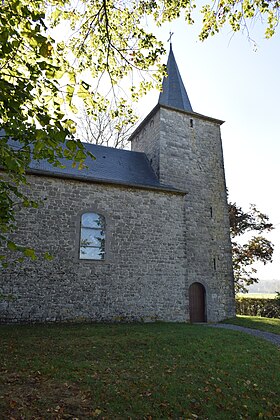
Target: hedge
x,y
269,308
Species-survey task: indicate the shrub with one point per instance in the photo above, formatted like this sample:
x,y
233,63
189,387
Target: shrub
x,y
269,308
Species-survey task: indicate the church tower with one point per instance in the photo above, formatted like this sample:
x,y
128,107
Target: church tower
x,y
185,151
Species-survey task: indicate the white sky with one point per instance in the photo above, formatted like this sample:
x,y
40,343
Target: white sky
x,y
227,78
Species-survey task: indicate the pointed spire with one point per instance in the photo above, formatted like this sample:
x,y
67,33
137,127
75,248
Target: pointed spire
x,y
173,90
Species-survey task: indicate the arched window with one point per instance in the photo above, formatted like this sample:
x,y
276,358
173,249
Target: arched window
x,y
92,237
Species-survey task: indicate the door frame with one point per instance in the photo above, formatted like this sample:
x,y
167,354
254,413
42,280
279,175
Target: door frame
x,y
204,303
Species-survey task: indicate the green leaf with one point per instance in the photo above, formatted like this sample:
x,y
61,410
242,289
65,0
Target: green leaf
x,y
30,253
12,246
48,256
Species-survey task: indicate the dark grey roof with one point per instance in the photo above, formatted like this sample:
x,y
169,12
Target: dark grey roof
x,y
110,166
173,90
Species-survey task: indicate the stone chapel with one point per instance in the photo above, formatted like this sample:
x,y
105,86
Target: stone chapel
x,y
140,235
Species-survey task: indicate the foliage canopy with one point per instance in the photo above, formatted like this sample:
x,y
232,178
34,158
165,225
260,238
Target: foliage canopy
x,y
238,13
55,52
257,247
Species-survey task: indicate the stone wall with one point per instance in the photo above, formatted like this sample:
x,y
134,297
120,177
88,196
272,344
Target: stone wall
x,y
146,139
190,158
143,276
157,243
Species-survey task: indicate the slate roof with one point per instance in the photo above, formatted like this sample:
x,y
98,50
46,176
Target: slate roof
x,y
173,90
114,166
124,167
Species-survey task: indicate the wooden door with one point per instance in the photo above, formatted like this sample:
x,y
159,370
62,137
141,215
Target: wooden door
x,y
197,303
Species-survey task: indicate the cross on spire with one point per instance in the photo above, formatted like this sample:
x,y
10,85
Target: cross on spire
x,y
170,36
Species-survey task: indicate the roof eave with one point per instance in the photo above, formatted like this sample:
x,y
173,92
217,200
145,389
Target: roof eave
x,y
194,114
157,108
160,188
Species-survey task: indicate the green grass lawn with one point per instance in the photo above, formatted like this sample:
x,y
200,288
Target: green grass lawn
x,y
136,371
257,322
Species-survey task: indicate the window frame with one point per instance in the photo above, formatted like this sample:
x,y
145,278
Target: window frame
x,y
104,228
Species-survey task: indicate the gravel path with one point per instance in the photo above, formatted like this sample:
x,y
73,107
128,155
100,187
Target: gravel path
x,y
273,338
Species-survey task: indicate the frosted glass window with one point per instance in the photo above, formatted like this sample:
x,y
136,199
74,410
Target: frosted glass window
x,y
92,237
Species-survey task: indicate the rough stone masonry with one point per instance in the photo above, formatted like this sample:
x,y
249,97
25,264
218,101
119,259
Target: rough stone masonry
x,y
167,244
